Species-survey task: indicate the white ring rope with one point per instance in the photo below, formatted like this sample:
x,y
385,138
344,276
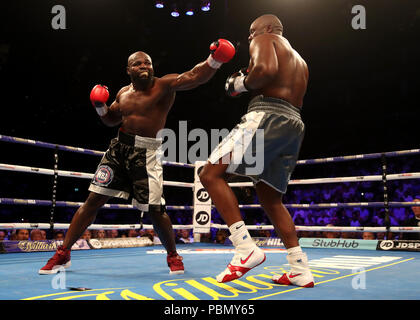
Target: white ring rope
x,y
37,202
26,225
332,229
213,225
73,174
398,176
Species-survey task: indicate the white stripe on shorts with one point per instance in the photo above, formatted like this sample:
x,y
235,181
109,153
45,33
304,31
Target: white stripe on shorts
x,y
237,141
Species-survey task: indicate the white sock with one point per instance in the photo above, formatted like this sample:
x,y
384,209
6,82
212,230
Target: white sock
x,y
237,227
294,250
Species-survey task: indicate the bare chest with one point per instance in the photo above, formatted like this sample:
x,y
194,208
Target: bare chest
x,y
134,102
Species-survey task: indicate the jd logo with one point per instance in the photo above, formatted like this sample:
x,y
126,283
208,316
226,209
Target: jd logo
x,y
202,217
202,195
386,245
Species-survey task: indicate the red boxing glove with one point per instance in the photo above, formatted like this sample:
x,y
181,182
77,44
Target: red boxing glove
x,y
221,51
99,96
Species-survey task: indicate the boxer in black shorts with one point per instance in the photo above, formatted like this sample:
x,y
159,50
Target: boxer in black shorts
x,y
276,78
131,166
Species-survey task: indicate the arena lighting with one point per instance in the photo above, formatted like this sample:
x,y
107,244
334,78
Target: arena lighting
x,y
190,11
205,5
174,12
159,4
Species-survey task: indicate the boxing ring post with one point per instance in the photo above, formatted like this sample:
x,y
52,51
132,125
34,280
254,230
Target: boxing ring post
x,y
54,191
386,200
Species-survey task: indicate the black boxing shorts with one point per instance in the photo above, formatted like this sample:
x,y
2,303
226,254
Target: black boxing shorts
x,y
265,145
131,168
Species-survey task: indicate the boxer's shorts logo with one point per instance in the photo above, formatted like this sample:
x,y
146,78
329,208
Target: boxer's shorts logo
x,y
104,175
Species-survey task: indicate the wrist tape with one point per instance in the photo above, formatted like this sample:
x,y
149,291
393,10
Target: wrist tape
x,y
102,110
239,84
213,63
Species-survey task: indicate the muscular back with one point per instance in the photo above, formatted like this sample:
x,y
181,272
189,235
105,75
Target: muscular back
x,y
285,73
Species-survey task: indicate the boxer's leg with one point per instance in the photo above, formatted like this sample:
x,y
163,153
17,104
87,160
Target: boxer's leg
x,y
213,179
247,254
163,227
272,203
84,217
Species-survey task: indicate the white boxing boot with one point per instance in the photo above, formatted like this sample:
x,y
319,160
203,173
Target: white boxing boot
x,y
247,256
299,274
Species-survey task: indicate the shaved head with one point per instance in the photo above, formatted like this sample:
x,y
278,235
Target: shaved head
x,y
269,21
139,54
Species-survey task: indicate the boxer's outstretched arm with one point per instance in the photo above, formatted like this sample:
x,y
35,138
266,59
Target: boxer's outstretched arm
x,y
197,76
221,51
263,65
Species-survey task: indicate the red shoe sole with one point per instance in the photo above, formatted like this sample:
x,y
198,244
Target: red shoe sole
x,y
233,276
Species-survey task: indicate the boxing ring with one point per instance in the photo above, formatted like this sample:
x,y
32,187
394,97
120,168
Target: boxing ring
x,y
343,268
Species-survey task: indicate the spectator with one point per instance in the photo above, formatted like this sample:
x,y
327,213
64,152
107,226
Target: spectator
x,y
323,220
112,233
100,234
59,235
22,234
310,219
12,235
379,219
185,236
87,235
355,219
206,237
264,233
368,236
43,234
36,235
150,233
380,235
2,235
413,221
331,234
132,233
299,219
350,235
221,236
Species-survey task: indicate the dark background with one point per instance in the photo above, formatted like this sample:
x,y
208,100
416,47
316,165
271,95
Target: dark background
x,y
362,94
